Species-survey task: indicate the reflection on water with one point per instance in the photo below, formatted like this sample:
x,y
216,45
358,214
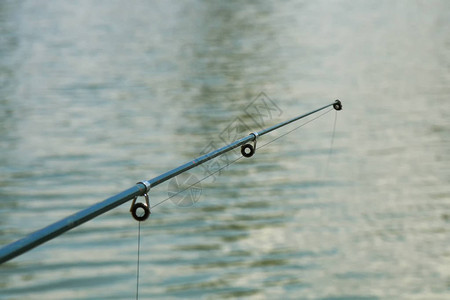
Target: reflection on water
x,y
95,96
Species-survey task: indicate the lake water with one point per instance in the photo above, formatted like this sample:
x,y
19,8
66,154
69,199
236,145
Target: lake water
x,y
97,95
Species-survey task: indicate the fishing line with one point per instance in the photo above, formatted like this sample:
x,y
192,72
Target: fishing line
x,y
331,143
235,160
197,182
204,178
138,261
290,131
147,207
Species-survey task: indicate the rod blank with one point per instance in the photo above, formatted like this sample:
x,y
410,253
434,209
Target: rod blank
x,y
45,234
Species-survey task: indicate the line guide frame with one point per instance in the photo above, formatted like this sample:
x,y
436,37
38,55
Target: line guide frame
x,y
142,188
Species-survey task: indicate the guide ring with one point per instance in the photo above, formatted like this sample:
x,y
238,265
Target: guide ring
x,y
145,207
248,150
337,105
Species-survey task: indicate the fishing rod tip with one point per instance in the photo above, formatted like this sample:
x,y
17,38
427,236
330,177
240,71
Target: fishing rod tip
x,y
337,105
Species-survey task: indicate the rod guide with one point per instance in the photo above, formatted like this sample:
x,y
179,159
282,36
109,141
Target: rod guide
x,y
136,209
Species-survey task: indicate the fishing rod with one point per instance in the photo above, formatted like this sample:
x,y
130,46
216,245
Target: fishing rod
x,y
140,211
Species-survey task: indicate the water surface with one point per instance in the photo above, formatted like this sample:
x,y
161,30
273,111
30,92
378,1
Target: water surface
x,y
96,96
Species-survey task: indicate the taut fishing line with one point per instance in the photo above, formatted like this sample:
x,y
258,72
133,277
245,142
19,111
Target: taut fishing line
x,y
138,255
331,143
235,160
220,169
140,212
211,174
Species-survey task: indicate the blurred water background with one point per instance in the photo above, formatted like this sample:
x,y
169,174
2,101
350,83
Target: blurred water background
x,y
97,95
